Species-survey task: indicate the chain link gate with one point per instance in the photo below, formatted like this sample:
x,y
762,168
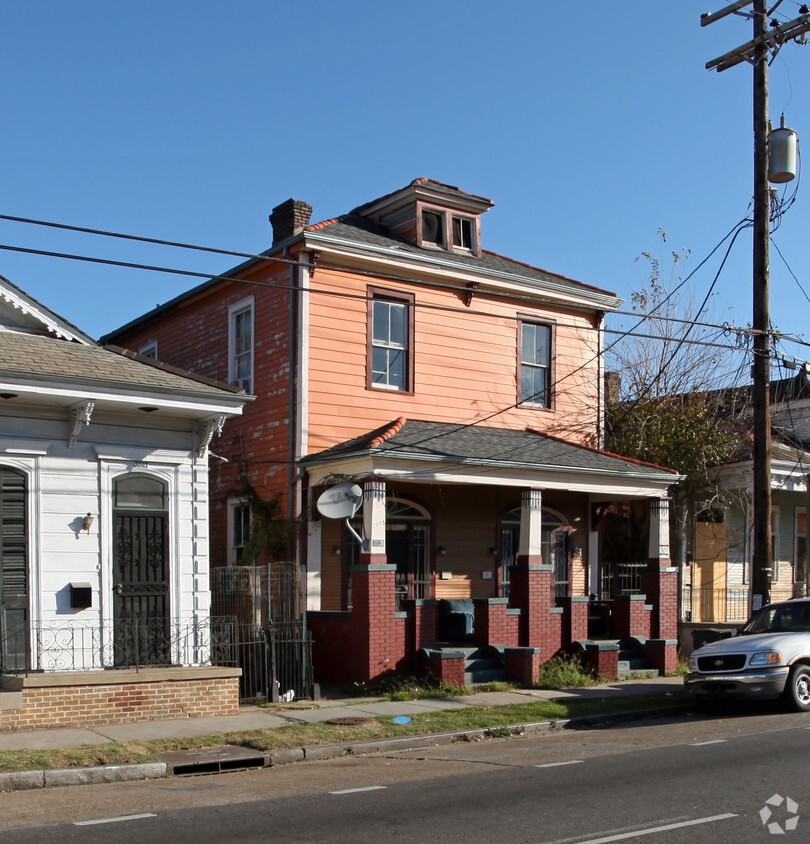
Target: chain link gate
x,y
273,645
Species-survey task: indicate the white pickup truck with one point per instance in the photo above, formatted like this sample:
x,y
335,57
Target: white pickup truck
x,y
768,658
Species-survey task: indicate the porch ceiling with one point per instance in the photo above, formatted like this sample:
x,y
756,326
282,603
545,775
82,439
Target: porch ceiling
x,y
436,452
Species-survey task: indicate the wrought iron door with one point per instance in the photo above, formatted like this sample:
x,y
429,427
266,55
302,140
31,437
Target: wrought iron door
x,y
562,568
141,589
14,650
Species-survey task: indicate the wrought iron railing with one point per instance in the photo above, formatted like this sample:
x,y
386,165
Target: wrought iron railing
x,y
77,646
618,579
709,604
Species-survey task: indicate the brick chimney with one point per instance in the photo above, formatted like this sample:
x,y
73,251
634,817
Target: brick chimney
x,y
290,218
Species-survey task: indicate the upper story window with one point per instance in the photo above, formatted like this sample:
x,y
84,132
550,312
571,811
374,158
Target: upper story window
x,y
150,350
433,228
239,522
390,340
240,345
448,231
534,364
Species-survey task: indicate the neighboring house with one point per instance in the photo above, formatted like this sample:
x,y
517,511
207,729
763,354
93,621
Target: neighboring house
x,y
462,390
717,587
103,529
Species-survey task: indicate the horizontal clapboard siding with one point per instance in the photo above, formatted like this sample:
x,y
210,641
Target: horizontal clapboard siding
x,y
465,365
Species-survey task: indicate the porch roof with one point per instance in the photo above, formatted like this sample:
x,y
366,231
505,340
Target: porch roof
x,y
422,451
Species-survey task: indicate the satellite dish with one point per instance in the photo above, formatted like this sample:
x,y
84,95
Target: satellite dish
x,y
340,502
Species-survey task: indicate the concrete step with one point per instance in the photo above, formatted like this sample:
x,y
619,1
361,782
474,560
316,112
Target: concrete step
x,y
491,675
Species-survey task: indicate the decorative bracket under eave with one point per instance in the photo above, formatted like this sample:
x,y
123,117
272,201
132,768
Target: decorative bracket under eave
x,y
471,288
79,416
208,427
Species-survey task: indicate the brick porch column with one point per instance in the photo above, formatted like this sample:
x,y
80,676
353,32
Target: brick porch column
x,y
660,580
531,581
374,637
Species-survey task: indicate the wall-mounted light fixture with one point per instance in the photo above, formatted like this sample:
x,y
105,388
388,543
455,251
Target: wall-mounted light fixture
x,y
493,549
336,550
441,550
87,522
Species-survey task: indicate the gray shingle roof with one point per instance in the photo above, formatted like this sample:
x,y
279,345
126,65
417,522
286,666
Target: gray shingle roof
x,y
364,232
34,355
422,440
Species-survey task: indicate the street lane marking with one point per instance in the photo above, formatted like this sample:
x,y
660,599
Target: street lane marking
x,y
355,790
664,828
557,764
115,820
712,741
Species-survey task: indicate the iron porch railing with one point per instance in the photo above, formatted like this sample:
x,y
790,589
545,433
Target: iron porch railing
x,y
76,646
618,579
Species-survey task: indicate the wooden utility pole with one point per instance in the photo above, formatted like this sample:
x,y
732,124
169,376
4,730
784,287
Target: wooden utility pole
x,y
757,52
763,554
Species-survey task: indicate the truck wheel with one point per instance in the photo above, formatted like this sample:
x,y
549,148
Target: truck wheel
x,y
798,688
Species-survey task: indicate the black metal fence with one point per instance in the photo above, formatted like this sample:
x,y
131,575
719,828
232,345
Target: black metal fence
x,y
86,646
618,579
273,646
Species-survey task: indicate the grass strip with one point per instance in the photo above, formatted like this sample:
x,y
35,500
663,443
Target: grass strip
x,y
308,735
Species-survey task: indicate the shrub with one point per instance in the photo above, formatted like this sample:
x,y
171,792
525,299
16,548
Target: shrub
x,y
565,672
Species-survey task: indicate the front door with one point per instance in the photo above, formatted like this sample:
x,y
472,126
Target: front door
x,y
406,546
14,648
141,574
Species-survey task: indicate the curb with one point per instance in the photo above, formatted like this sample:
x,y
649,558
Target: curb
x,y
59,777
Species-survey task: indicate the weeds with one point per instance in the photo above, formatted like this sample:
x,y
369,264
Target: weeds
x,y
566,672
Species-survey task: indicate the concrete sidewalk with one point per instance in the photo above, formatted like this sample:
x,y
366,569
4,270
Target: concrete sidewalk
x,y
307,712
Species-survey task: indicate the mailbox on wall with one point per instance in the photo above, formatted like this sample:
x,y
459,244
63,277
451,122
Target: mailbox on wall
x,y
81,596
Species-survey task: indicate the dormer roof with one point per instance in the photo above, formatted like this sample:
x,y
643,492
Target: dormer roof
x,y
387,207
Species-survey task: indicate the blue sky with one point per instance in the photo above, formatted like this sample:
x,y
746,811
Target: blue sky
x,y
590,125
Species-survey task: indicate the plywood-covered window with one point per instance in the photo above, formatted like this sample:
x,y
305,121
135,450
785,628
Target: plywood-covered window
x,y
390,340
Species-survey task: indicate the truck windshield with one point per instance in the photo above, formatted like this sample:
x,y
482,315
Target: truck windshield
x,y
780,618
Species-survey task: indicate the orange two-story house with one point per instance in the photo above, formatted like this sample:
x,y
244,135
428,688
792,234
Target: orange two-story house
x,y
462,392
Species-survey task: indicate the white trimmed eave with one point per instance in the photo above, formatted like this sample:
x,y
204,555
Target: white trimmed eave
x,y
789,475
493,473
53,323
63,392
429,266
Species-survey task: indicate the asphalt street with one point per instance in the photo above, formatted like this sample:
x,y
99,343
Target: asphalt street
x,y
692,778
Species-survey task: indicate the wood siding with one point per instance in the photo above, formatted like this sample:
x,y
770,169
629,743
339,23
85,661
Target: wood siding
x,y
465,362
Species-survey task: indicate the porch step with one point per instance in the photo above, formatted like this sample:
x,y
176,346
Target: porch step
x,y
483,665
633,663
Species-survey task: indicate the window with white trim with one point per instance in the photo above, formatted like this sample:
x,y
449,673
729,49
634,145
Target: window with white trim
x,y
800,544
240,345
150,350
239,519
534,363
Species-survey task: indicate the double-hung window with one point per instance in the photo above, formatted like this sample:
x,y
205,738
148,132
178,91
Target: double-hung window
x,y
240,345
239,520
534,363
390,340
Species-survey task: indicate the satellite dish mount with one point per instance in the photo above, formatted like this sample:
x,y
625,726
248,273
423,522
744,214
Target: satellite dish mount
x,y
342,502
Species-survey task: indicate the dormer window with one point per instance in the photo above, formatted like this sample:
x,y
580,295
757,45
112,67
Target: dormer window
x,y
444,230
463,232
433,228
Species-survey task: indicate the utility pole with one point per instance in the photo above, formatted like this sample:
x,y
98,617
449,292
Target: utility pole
x,y
757,52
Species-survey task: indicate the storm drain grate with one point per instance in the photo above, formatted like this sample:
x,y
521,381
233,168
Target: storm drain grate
x,y
215,760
